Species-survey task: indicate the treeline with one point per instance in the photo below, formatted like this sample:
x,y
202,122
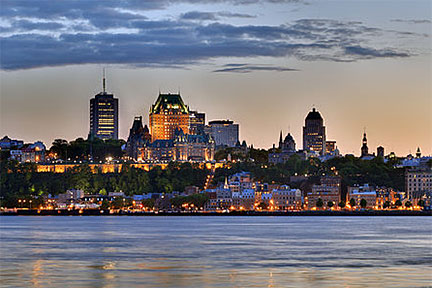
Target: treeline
x,y
353,170
21,181
81,149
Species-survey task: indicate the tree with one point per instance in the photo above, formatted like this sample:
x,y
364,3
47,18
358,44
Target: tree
x,y
398,203
330,204
363,203
263,206
104,205
341,204
386,204
319,203
118,203
408,204
352,203
421,203
60,147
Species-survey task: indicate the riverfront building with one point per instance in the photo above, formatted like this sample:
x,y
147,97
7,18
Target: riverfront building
x,y
328,191
366,192
418,183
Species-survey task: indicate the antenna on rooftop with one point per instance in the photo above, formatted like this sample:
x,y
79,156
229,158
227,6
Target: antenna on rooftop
x,y
103,79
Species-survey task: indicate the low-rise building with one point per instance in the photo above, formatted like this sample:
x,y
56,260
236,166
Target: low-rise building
x,y
286,198
71,195
417,181
244,200
365,192
328,191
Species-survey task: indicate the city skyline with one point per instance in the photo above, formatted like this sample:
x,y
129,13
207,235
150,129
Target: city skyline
x,y
376,74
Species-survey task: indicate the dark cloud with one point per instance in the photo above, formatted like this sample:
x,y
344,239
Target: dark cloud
x,y
77,8
196,15
373,53
247,68
212,16
83,36
413,21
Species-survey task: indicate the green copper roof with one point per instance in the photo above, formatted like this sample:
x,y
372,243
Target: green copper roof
x,y
167,102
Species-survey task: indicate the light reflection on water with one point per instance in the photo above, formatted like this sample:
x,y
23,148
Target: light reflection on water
x,y
215,251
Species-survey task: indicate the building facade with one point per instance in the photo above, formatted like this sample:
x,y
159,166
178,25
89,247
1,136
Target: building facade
x,y
224,132
168,114
286,148
197,122
418,181
184,147
330,147
328,191
8,143
104,116
366,192
286,198
139,136
314,134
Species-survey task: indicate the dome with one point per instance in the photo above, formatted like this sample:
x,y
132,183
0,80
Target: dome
x,y
288,138
314,115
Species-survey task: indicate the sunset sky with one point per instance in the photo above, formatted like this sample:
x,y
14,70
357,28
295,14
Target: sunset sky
x,y
263,64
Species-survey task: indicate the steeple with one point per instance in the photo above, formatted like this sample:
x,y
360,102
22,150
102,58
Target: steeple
x,y
364,148
418,154
280,140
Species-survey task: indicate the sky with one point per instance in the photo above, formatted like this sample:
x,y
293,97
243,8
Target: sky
x,y
364,65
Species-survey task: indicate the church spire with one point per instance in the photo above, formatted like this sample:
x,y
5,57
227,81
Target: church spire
x,y
280,139
364,148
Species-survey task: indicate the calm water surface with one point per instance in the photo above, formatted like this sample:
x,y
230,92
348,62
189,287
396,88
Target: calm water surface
x,y
215,251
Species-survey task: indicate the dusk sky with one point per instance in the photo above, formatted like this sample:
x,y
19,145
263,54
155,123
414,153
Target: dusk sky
x,y
263,64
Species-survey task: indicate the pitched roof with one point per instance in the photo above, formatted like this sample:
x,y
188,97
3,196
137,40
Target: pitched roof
x,y
169,102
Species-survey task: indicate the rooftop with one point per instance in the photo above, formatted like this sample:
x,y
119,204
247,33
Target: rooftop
x,y
314,115
169,102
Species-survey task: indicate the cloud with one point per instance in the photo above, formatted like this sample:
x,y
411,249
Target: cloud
x,y
247,68
412,21
55,33
373,53
212,16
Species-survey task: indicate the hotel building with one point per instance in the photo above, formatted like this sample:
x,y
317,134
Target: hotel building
x,y
166,115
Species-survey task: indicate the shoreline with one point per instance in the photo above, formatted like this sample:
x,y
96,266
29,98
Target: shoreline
x,y
233,213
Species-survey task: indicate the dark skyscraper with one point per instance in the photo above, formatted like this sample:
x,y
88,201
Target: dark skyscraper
x,y
314,136
104,115
197,122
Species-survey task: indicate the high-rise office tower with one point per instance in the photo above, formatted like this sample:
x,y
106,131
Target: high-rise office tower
x,y
166,115
224,132
314,136
104,115
197,122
